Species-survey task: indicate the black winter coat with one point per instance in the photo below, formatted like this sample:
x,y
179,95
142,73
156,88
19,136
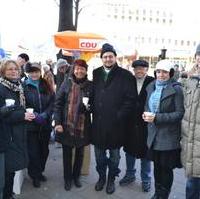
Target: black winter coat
x,y
42,103
112,103
13,132
61,110
136,138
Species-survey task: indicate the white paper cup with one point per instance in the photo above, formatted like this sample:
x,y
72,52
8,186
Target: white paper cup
x,y
29,110
10,102
148,114
85,100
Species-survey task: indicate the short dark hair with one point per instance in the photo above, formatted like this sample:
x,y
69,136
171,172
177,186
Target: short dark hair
x,y
24,56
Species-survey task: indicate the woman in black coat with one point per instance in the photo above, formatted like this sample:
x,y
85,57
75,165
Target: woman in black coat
x,y
13,146
73,120
39,96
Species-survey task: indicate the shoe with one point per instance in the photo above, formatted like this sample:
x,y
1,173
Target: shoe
x,y
36,183
155,196
110,188
43,178
126,180
100,184
77,183
68,185
146,186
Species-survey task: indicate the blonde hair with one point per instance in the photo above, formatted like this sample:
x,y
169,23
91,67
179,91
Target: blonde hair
x,y
5,64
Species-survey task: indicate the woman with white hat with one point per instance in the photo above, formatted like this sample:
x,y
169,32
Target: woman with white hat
x,y
164,112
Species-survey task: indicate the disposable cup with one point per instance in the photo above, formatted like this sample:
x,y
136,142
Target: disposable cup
x,y
85,100
29,110
10,102
148,114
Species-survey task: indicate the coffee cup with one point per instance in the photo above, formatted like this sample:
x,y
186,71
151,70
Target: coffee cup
x,y
85,100
29,110
10,102
149,114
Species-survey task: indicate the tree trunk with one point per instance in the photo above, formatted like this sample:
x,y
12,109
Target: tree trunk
x,y
66,15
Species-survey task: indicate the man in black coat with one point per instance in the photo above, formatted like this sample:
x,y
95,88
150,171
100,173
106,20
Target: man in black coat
x,y
136,139
112,103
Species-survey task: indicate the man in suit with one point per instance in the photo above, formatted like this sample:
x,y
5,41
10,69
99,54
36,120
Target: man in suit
x,y
135,142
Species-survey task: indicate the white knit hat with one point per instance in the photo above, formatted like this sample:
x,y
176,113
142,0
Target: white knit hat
x,y
164,65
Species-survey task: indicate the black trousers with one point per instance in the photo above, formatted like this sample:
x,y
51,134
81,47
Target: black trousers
x,y
38,151
8,188
70,173
163,178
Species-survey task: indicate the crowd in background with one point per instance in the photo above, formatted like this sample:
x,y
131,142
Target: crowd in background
x,y
155,119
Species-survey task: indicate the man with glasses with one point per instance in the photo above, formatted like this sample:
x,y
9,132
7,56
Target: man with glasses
x,y
112,102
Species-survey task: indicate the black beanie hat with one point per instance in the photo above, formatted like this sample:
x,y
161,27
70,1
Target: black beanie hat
x,y
32,67
107,48
142,63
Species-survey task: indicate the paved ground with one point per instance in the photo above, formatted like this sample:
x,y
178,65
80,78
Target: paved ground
x,y
53,188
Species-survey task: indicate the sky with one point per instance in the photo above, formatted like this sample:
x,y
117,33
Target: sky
x,y
31,23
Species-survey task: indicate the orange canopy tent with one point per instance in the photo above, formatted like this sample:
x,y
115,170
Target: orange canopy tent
x,y
72,40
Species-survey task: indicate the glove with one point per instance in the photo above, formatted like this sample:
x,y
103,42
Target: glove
x,y
40,120
5,110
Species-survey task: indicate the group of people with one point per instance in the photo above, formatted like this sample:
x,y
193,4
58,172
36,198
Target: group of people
x,y
153,118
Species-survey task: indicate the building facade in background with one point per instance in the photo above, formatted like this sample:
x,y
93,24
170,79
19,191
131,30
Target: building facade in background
x,y
143,27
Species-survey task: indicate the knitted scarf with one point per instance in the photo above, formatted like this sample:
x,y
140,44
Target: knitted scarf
x,y
15,88
75,120
154,100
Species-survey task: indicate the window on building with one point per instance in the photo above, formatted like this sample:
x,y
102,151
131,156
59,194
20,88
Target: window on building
x,y
194,43
144,19
150,19
169,41
156,40
164,21
115,16
170,21
163,40
188,43
130,18
157,20
157,12
182,42
123,17
137,12
144,12
142,39
137,18
149,39
176,42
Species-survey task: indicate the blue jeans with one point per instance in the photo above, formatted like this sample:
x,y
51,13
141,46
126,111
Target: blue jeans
x,y
145,172
193,188
103,161
2,174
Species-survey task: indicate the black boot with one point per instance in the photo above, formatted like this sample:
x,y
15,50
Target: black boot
x,y
36,183
157,190
100,183
110,188
77,182
68,185
163,193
